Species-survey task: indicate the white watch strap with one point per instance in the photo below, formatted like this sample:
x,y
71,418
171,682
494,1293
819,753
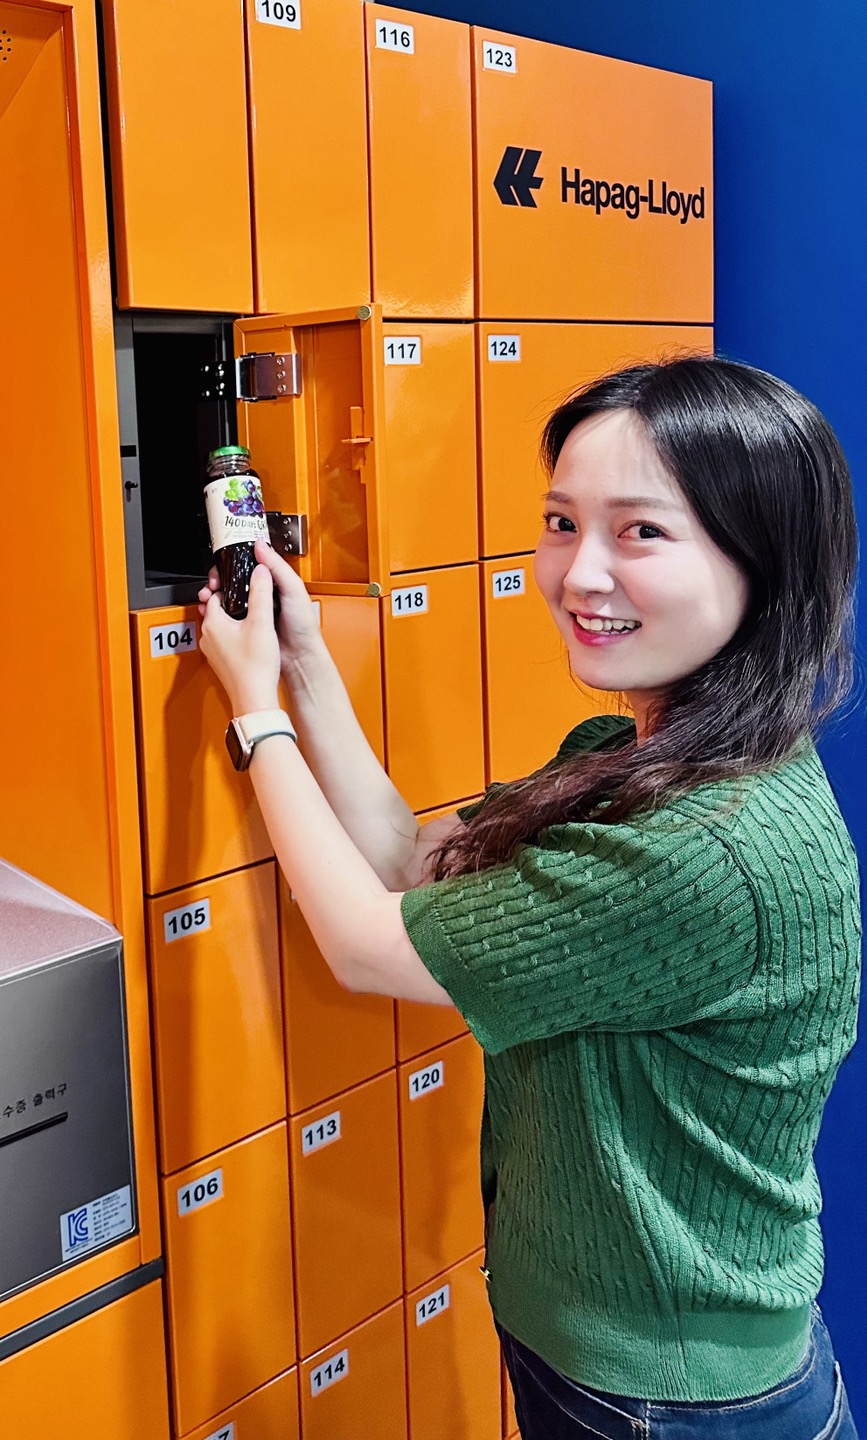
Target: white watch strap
x,y
259,723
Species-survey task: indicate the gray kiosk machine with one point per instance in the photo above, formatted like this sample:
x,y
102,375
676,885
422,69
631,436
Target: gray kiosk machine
x,y
66,1162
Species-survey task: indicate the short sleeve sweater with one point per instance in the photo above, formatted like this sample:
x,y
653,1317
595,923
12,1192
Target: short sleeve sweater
x,y
663,1006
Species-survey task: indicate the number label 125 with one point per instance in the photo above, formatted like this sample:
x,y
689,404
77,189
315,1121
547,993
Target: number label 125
x,y
508,582
432,1077
200,1192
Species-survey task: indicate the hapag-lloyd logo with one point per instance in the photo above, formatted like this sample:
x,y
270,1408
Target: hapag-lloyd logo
x,y
516,179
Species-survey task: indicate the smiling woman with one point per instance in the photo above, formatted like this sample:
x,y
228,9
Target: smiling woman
x,y
655,938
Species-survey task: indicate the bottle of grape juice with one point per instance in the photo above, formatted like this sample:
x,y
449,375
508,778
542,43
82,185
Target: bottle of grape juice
x,y
236,520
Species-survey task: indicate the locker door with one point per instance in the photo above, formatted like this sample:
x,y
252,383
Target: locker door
x,y
357,1386
200,815
229,1276
441,1096
453,1357
525,371
532,700
346,1199
217,1015
268,1414
308,151
334,1039
421,166
584,167
433,689
431,488
101,1378
177,110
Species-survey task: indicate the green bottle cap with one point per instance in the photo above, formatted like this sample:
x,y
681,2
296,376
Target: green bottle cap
x,y
229,450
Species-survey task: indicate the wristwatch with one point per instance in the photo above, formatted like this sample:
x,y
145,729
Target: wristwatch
x,y
245,731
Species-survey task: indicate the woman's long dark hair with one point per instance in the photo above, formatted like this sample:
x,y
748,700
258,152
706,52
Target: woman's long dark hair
x,y
768,481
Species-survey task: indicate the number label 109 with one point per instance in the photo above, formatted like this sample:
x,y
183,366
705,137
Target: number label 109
x,y
411,601
323,1132
432,1305
395,37
200,1192
279,12
172,639
189,920
508,582
499,57
432,1077
329,1372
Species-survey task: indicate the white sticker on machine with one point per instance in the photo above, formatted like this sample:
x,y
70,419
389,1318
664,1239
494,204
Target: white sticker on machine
x,y
96,1223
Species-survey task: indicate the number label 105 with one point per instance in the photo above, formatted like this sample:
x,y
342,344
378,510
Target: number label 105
x,y
200,1192
189,920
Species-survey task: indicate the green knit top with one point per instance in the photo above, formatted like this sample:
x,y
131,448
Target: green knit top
x,y
663,1005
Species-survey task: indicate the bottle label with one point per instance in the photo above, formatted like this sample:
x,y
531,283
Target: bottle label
x,y
236,513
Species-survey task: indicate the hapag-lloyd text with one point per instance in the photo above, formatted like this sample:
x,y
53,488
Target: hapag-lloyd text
x,y
600,195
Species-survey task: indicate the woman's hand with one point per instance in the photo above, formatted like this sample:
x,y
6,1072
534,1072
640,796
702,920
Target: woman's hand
x,y
244,654
297,628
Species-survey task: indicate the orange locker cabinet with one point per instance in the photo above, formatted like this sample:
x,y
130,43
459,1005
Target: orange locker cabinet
x,y
101,1378
510,1419
177,112
346,1210
308,153
218,1023
200,815
453,1358
268,1414
334,1039
593,186
532,700
441,1096
357,1386
430,443
433,686
229,1276
421,163
524,372
371,438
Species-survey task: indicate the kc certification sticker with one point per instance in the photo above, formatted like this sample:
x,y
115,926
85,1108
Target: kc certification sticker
x,y
96,1223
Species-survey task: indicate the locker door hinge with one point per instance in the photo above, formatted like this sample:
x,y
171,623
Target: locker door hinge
x,y
288,533
267,376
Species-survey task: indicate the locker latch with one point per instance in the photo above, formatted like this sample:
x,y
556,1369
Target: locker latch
x,y
267,376
288,533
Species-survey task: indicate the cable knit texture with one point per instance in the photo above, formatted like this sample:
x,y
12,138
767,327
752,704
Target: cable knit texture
x,y
663,1006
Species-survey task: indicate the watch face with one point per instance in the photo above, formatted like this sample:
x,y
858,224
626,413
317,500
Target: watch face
x,y
236,750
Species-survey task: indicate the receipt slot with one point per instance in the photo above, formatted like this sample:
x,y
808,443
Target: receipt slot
x,y
66,1171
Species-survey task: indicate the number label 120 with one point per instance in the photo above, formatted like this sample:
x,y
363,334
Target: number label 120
x,y
189,920
421,1082
172,639
200,1192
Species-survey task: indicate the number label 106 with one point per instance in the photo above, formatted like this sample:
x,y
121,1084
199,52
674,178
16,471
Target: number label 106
x,y
200,1192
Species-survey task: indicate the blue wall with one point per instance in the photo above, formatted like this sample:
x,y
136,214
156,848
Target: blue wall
x,y
790,83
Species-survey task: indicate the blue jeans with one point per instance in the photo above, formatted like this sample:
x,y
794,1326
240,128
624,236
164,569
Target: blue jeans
x,y
810,1405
